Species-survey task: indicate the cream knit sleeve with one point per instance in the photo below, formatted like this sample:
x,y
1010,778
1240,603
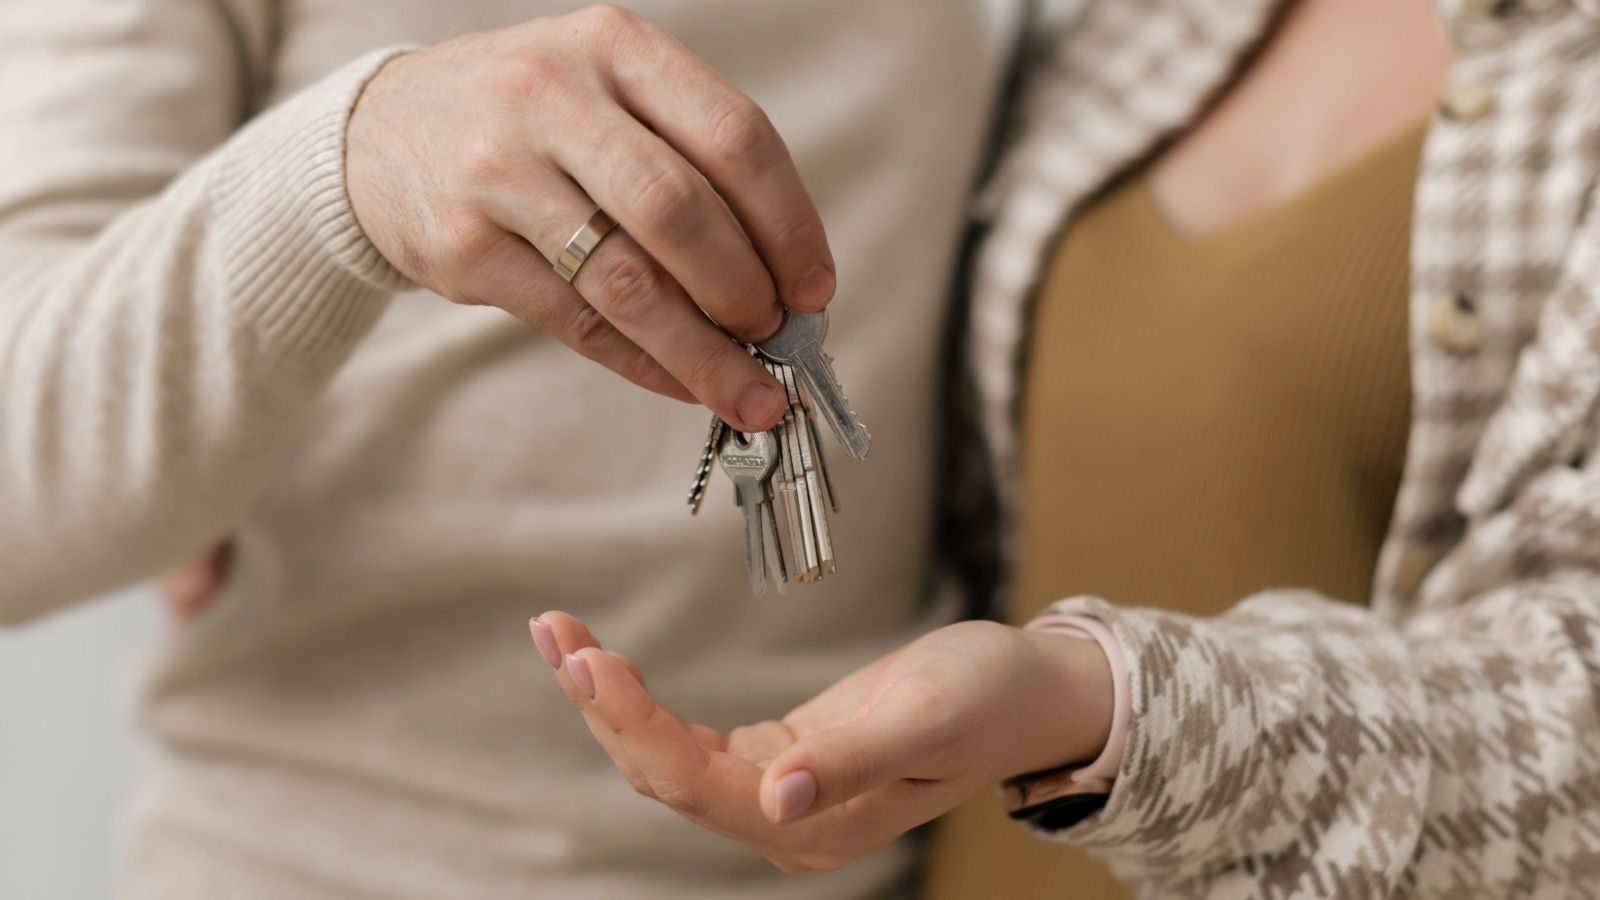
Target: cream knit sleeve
x,y
175,289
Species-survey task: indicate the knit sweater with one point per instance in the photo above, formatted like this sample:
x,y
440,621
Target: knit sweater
x,y
197,340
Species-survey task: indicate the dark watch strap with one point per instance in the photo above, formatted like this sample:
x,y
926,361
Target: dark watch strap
x,y
1060,812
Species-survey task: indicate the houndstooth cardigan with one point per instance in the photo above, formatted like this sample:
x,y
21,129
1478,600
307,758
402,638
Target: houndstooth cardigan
x,y
1442,741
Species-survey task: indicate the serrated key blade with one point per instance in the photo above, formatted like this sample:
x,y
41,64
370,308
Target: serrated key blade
x,y
828,397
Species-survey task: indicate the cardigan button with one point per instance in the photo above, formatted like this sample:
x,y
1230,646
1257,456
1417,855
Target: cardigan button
x,y
1467,102
1454,324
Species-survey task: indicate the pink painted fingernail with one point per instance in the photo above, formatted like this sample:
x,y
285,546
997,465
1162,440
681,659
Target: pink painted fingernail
x,y
581,676
545,640
796,792
814,289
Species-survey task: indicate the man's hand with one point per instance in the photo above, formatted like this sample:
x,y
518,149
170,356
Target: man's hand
x,y
471,163
880,752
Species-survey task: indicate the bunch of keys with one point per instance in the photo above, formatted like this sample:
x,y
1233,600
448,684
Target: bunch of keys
x,y
780,478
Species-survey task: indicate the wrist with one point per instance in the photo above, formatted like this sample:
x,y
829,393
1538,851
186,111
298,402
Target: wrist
x,y
370,182
1069,705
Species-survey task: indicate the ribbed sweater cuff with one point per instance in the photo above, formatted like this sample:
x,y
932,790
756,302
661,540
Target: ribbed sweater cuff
x,y
1109,762
306,279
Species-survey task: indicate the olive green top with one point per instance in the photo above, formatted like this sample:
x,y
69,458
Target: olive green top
x,y
1204,417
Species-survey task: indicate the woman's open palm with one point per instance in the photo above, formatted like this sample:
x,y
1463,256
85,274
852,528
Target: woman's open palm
x,y
886,748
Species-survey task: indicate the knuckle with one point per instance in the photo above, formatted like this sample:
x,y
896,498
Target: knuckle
x,y
681,798
526,75
612,15
631,287
587,331
742,133
665,196
640,785
605,21
639,368
798,234
744,733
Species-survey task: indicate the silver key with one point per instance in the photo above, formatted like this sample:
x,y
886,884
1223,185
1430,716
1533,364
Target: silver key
x,y
782,493
822,463
821,535
799,343
823,478
749,459
808,553
708,458
779,562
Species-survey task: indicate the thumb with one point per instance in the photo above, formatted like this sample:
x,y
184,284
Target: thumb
x,y
827,768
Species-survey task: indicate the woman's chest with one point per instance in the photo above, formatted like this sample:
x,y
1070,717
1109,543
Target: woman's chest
x,y
1299,109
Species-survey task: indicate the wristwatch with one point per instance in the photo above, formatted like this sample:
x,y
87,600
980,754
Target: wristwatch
x,y
1054,800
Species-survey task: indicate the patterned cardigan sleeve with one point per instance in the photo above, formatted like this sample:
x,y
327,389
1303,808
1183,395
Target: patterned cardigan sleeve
x,y
1301,746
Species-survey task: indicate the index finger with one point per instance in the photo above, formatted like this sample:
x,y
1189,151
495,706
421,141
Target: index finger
x,y
730,140
715,789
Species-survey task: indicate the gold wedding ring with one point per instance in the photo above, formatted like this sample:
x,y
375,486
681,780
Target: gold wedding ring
x,y
582,244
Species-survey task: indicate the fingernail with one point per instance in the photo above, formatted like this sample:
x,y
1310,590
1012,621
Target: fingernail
x,y
760,406
581,676
814,289
796,792
545,640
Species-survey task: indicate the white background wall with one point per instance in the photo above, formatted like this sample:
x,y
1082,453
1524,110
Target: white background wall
x,y
66,759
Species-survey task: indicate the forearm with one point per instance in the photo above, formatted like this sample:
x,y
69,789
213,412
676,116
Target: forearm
x,y
155,369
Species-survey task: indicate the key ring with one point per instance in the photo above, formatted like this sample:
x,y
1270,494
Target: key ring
x,y
582,244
